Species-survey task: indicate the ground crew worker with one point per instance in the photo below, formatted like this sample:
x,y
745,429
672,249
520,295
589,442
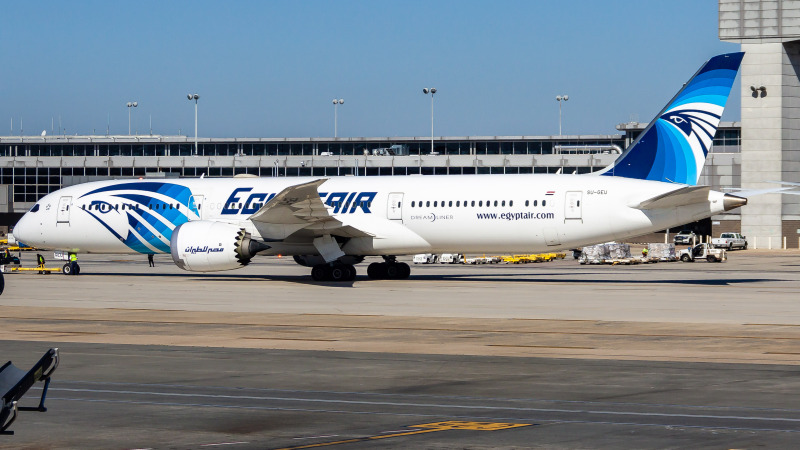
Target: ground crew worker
x,y
150,260
40,262
644,252
73,264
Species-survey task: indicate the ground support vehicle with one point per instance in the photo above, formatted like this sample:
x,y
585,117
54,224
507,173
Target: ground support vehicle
x,y
451,258
425,258
703,251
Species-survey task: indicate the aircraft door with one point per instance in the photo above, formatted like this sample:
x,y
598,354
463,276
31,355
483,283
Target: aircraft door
x,y
62,215
572,206
197,205
394,210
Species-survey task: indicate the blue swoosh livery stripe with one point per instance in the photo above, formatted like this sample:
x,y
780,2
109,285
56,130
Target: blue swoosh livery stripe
x,y
149,210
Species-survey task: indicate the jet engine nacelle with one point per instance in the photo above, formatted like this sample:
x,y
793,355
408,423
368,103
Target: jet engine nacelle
x,y
206,246
313,260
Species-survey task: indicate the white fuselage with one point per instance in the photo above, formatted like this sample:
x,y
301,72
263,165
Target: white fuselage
x,y
402,214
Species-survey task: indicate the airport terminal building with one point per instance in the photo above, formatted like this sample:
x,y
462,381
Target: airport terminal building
x,y
31,167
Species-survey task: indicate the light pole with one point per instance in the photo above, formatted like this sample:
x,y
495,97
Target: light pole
x,y
431,91
194,97
559,98
131,105
336,104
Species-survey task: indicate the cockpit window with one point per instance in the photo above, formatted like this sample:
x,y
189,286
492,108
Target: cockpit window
x,y
35,208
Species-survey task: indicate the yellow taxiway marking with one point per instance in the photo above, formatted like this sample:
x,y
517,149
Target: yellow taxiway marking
x,y
426,428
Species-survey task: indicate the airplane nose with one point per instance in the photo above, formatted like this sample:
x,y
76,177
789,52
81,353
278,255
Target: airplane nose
x,y
23,230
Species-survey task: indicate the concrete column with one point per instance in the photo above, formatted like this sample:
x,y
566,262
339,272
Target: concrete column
x,y
762,135
790,164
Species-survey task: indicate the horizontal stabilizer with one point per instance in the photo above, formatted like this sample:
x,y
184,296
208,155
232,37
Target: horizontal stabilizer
x,y
687,195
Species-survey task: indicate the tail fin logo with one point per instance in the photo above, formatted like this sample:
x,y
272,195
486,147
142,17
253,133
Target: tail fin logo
x,y
695,124
674,146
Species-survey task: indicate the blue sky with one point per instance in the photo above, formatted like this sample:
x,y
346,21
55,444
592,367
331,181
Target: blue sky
x,y
271,68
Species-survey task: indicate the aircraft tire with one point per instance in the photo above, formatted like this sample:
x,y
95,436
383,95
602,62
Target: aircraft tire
x,y
392,271
319,272
403,271
376,271
77,269
338,272
66,269
351,272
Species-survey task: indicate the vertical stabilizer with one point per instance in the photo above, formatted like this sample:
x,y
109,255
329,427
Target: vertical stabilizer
x,y
674,145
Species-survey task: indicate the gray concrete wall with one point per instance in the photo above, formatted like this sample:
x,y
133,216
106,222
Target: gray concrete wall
x,y
762,135
765,21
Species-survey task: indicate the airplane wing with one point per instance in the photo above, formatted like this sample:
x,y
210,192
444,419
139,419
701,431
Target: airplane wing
x,y
300,207
751,192
298,204
783,190
680,197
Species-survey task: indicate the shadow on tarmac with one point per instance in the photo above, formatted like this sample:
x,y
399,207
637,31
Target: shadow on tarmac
x,y
494,277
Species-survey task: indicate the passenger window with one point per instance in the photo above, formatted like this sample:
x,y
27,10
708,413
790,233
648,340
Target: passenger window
x,y
480,203
450,203
511,203
428,203
458,203
473,203
434,204
412,203
536,203
544,203
503,204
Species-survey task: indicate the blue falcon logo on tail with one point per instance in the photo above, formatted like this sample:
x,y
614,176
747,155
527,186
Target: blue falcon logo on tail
x,y
674,146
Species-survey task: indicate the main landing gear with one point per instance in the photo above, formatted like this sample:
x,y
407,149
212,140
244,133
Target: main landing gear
x,y
335,272
389,270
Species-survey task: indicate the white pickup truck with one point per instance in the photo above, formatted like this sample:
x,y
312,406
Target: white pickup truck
x,y
730,241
